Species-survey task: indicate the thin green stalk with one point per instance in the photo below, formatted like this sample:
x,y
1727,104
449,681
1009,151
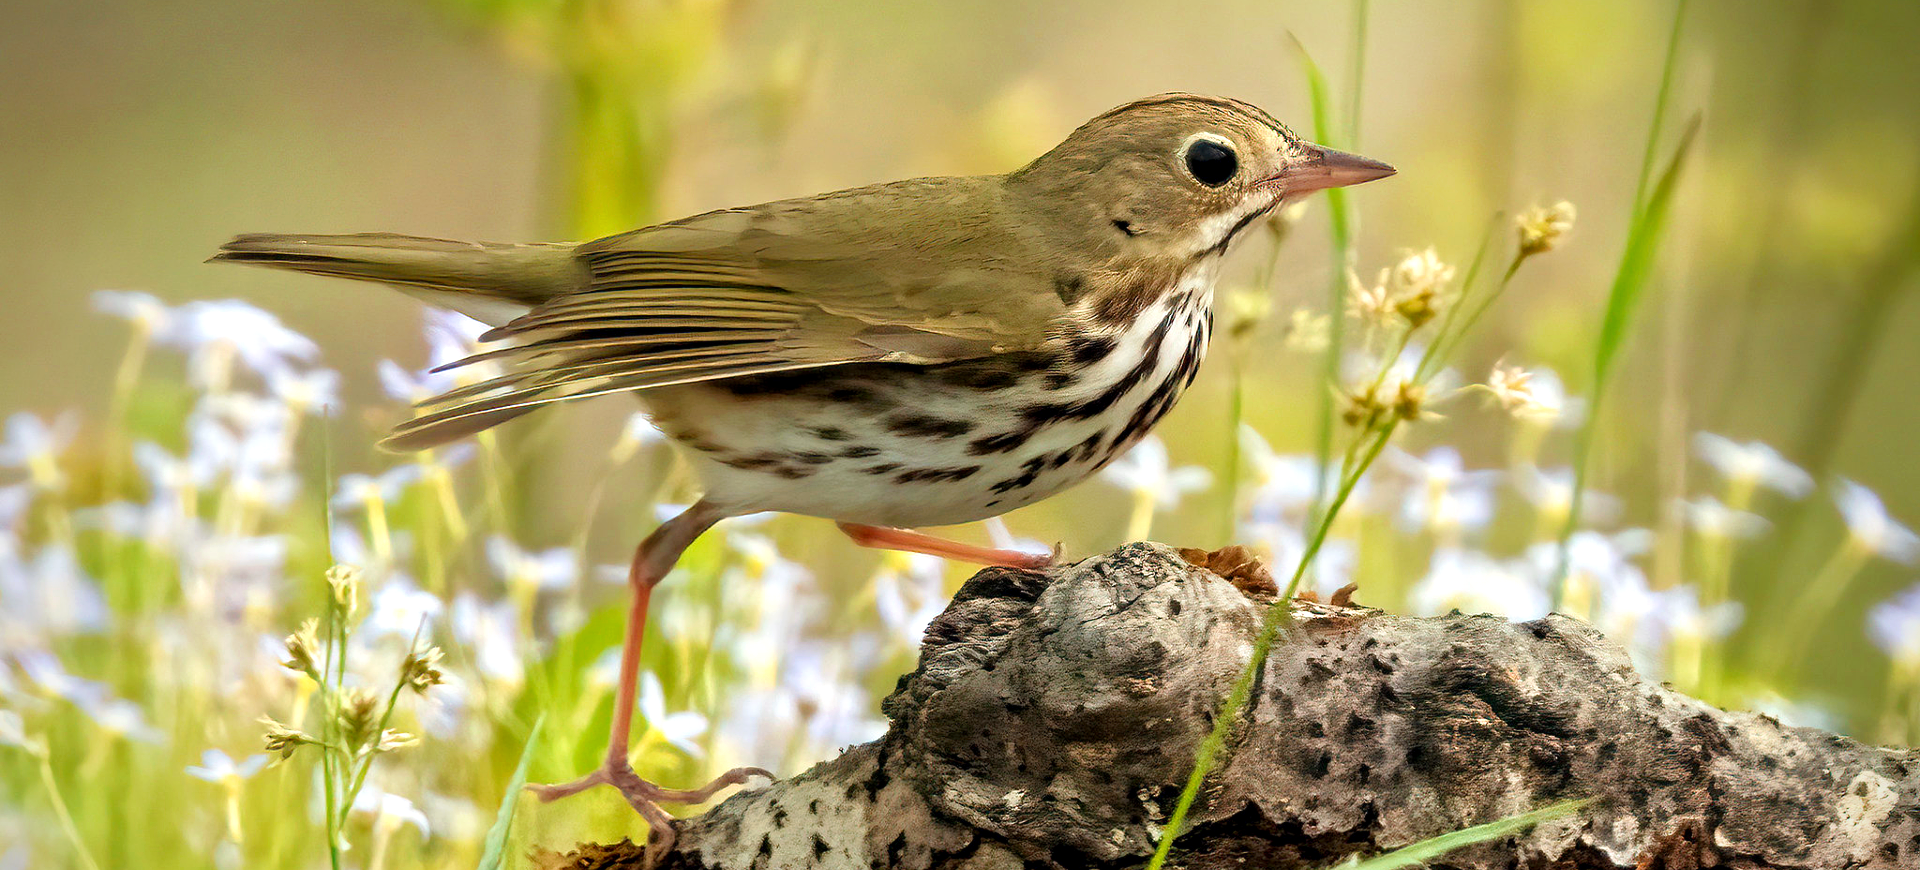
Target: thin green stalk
x,y
1884,285
1629,283
1660,100
1278,616
1418,854
1236,412
386,718
494,849
335,658
1445,337
1452,338
61,812
329,711
1649,213
1787,654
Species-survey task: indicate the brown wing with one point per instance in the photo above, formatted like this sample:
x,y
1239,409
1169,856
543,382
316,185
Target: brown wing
x,y
922,271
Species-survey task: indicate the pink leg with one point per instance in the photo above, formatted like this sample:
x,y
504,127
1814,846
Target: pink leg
x,y
651,562
884,538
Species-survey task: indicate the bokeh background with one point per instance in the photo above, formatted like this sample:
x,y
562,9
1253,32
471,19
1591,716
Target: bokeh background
x,y
135,137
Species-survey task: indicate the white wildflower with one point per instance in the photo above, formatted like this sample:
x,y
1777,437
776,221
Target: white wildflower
x,y
1751,464
1870,528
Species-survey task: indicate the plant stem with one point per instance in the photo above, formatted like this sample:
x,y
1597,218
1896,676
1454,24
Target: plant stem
x,y
1278,616
61,812
1667,66
1816,600
1629,281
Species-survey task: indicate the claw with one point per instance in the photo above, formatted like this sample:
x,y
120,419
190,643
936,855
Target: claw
x,y
645,797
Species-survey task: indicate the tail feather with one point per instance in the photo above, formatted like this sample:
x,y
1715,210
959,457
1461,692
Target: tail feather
x,y
490,282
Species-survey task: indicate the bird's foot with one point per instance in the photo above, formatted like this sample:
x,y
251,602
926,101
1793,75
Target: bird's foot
x,y
909,541
645,797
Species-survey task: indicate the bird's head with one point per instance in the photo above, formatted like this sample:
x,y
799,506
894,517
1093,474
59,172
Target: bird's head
x,y
1181,174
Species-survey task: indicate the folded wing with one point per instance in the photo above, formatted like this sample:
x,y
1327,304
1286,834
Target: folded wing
x,y
923,271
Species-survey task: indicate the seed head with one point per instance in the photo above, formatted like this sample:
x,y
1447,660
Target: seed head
x,y
1363,408
359,716
303,650
1418,308
1370,304
1418,272
421,670
345,581
1409,402
1541,228
282,739
391,739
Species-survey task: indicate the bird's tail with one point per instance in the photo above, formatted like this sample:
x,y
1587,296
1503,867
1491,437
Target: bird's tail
x,y
490,282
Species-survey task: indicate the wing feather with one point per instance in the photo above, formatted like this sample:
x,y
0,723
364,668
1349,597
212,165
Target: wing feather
x,y
866,275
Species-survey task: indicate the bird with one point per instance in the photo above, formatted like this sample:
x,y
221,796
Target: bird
x,y
924,352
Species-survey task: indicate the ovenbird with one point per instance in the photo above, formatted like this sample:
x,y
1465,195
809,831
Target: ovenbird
x,y
925,352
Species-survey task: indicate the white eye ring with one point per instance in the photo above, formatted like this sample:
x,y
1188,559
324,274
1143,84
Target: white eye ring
x,y
1217,166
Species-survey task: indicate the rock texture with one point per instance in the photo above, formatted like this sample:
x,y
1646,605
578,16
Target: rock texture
x,y
1054,715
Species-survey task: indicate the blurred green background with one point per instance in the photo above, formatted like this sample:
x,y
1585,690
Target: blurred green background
x,y
135,137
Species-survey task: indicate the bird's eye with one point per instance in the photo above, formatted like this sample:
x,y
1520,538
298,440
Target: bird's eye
x,y
1211,161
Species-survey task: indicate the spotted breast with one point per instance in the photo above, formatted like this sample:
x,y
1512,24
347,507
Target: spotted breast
x,y
904,445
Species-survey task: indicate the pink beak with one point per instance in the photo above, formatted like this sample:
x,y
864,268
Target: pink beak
x,y
1325,167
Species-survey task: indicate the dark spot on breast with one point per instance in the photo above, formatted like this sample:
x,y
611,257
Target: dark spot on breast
x,y
830,433
1125,227
882,468
924,426
791,466
1040,415
936,475
1059,380
1000,443
755,462
1081,452
1029,472
1090,349
860,451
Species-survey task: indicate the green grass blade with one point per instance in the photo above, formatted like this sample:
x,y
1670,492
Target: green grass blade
x,y
1643,243
493,856
1643,230
1660,101
1629,284
1427,850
